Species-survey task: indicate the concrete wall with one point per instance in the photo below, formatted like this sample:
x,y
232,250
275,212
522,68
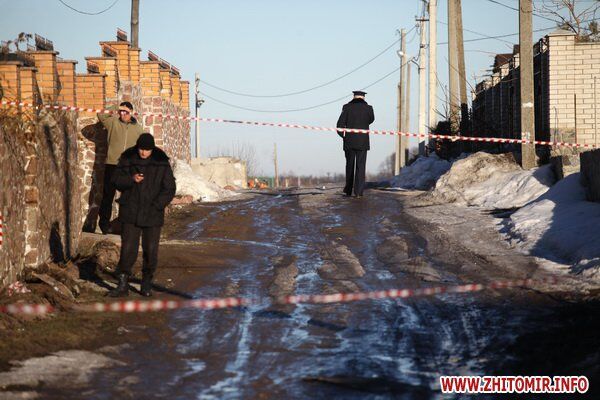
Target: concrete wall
x,y
223,171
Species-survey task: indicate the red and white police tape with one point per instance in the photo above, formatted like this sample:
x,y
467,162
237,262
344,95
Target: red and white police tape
x,y
130,306
309,127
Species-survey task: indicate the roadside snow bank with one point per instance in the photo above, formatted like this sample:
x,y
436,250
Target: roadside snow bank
x,y
493,181
421,174
191,184
561,225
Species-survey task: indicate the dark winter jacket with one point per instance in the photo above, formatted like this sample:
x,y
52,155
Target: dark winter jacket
x,y
357,114
143,204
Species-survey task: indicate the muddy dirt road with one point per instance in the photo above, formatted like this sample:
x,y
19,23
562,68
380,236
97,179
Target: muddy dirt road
x,y
303,243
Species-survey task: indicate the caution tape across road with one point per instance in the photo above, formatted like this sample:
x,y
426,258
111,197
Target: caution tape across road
x,y
308,127
137,306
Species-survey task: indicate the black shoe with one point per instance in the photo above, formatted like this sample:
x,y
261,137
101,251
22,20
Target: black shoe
x,y
146,286
122,289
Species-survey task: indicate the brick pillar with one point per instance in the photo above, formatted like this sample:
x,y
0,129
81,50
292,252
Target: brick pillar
x,y
47,74
122,53
10,80
27,83
185,95
66,77
134,65
165,84
176,89
91,90
107,66
150,78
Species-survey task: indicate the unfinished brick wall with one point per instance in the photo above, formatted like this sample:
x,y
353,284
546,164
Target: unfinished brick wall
x,y
53,161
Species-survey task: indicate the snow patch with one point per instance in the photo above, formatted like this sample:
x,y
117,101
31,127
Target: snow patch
x,y
421,174
492,181
560,225
191,184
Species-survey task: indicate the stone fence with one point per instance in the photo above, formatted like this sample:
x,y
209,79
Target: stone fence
x,y
52,162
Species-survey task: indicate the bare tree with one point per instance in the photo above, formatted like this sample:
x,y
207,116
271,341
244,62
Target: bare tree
x,y
577,16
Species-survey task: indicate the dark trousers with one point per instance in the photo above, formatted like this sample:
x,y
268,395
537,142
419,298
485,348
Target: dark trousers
x,y
356,161
108,195
130,243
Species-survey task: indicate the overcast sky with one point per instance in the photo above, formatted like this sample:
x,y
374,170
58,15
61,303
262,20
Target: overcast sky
x,y
271,48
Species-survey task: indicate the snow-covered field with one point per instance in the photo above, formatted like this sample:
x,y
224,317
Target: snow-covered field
x,y
191,184
553,221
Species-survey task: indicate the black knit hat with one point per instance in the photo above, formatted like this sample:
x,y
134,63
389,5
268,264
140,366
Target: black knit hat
x,y
145,142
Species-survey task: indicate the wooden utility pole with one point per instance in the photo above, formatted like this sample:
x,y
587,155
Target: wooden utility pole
x,y
276,169
453,66
135,23
399,161
462,75
405,141
528,159
422,89
432,63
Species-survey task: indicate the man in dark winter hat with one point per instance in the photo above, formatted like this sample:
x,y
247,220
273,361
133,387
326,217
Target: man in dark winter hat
x,y
147,185
357,114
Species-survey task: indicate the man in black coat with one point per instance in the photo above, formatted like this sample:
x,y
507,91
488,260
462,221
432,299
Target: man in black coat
x,y
147,185
357,114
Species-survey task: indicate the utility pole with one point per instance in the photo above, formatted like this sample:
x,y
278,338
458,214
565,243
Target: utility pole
x,y
432,63
399,161
526,79
453,66
197,104
135,22
462,75
405,139
422,88
276,169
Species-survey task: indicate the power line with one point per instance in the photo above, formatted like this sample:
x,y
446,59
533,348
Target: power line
x,y
499,36
479,33
303,108
516,9
89,13
309,89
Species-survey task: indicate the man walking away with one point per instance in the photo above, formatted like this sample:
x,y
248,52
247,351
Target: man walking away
x,y
357,114
145,179
123,131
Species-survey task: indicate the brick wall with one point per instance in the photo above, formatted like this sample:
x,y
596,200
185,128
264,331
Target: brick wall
x,y
53,161
565,110
572,105
66,79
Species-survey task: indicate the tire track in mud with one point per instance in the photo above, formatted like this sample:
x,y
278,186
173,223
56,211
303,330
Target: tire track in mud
x,y
268,246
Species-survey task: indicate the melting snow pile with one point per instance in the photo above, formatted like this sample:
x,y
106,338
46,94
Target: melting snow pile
x,y
493,181
560,224
421,174
191,184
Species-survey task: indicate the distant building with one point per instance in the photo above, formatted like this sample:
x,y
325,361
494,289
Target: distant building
x,y
566,94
